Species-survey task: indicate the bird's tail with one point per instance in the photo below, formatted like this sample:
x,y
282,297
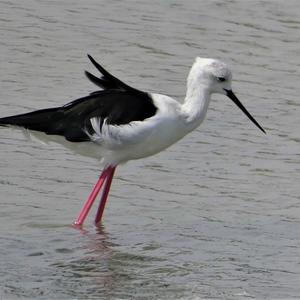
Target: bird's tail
x,y
45,120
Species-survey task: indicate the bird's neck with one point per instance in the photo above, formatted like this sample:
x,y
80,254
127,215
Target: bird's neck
x,y
195,104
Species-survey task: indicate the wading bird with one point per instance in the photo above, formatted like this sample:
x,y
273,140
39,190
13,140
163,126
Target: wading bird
x,y
125,123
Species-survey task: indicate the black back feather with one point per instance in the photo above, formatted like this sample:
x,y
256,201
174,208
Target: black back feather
x,y
117,103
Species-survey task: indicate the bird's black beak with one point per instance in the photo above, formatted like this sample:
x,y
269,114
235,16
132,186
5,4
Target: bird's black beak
x,y
234,98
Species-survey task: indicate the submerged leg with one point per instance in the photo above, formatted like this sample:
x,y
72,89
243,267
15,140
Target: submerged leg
x,y
90,200
111,171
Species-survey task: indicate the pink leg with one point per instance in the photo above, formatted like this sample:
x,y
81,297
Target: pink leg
x,y
90,200
111,171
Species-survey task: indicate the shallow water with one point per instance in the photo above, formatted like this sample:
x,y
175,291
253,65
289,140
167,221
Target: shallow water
x,y
216,216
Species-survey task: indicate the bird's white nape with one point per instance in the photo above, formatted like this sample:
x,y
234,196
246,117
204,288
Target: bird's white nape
x,y
204,80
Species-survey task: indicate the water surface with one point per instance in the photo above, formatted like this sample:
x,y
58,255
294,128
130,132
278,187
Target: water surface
x,y
216,216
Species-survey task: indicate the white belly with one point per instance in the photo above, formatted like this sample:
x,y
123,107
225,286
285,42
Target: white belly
x,y
146,142
144,138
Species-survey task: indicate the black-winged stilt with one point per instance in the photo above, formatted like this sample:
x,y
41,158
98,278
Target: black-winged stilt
x,y
126,123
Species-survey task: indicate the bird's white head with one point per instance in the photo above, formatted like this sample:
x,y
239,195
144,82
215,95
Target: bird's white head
x,y
210,76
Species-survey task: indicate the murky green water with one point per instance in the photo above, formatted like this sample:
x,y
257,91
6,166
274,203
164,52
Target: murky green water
x,y
217,216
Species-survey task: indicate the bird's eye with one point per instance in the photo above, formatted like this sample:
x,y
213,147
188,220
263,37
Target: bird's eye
x,y
221,79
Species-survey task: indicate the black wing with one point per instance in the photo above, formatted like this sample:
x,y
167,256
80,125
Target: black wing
x,y
117,104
